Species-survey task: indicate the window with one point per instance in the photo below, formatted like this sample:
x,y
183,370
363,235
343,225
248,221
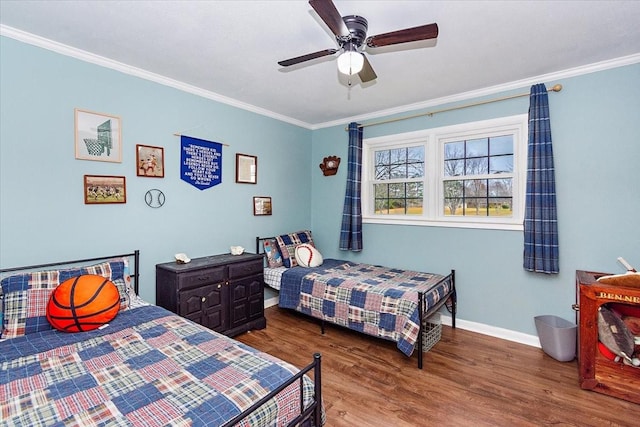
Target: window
x,y
469,175
399,181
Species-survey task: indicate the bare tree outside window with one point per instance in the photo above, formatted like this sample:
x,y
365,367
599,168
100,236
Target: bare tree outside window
x,y
398,173
474,193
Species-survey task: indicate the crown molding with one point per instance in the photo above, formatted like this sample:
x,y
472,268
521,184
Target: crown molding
x,y
82,55
492,90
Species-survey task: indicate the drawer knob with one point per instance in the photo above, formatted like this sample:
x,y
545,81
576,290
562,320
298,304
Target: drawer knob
x,y
204,299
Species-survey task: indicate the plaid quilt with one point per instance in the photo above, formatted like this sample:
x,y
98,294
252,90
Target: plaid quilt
x,y
148,367
375,300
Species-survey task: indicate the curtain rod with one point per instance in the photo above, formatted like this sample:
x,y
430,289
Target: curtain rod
x,y
555,88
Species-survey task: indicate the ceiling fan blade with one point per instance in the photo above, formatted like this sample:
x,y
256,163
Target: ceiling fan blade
x,y
307,57
423,32
330,15
367,74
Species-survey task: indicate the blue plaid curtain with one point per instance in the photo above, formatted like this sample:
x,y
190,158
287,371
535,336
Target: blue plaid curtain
x,y
540,218
351,230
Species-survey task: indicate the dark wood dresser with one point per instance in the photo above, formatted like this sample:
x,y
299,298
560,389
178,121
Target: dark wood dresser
x,y
222,292
596,372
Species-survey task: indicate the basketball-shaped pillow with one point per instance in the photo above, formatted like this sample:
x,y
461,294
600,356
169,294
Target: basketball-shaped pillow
x,y
308,256
83,303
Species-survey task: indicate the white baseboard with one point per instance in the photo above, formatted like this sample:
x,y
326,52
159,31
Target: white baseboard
x,y
271,302
493,331
505,334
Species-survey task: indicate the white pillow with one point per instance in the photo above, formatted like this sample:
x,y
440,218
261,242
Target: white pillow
x,y
308,256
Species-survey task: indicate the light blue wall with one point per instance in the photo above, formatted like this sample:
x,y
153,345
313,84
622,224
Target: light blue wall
x,y
595,123
42,213
596,135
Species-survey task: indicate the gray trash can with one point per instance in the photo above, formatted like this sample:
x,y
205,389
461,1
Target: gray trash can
x,y
557,337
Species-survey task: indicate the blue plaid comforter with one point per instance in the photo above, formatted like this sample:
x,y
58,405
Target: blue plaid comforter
x,y
378,301
148,367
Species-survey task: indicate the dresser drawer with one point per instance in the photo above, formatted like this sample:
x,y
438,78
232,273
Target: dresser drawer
x,y
201,277
243,269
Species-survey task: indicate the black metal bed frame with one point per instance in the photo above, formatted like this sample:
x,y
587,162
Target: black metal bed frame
x,y
136,269
308,417
423,313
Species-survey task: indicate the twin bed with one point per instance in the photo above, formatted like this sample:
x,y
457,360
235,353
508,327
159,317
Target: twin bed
x,y
388,303
150,367
147,366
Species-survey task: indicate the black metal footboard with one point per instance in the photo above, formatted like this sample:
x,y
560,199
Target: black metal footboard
x,y
423,313
311,415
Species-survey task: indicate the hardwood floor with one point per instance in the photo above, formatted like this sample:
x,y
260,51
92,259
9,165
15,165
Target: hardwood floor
x,y
468,379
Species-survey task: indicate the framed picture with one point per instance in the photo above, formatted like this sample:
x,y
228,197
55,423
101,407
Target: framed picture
x,y
149,161
246,169
103,189
98,136
262,206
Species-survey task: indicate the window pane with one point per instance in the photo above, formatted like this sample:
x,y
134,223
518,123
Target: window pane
x,y
475,188
501,145
415,162
477,147
500,206
476,166
382,157
454,150
396,207
500,187
381,191
453,197
453,167
382,206
398,171
414,206
396,190
415,170
398,155
414,189
382,172
415,154
501,164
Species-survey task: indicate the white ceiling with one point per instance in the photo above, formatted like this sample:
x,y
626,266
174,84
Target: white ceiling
x,y
228,50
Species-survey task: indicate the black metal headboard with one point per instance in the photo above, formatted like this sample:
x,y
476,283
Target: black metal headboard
x,y
136,265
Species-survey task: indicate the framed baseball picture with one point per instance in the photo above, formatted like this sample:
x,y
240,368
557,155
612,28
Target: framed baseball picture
x,y
149,161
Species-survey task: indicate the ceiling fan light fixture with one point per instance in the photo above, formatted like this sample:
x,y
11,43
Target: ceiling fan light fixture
x,y
350,61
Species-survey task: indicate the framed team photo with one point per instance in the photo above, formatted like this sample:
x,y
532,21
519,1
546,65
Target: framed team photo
x,y
104,189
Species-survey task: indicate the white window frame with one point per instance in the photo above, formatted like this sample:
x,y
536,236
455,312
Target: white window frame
x,y
433,204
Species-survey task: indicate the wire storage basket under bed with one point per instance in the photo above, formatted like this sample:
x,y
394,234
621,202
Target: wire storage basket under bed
x,y
432,330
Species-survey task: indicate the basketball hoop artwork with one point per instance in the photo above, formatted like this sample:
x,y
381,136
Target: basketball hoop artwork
x,y
97,136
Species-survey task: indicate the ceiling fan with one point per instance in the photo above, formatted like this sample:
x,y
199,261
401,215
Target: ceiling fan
x,y
351,35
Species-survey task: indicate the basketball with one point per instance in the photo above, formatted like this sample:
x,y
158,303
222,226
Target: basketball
x,y
308,256
83,303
